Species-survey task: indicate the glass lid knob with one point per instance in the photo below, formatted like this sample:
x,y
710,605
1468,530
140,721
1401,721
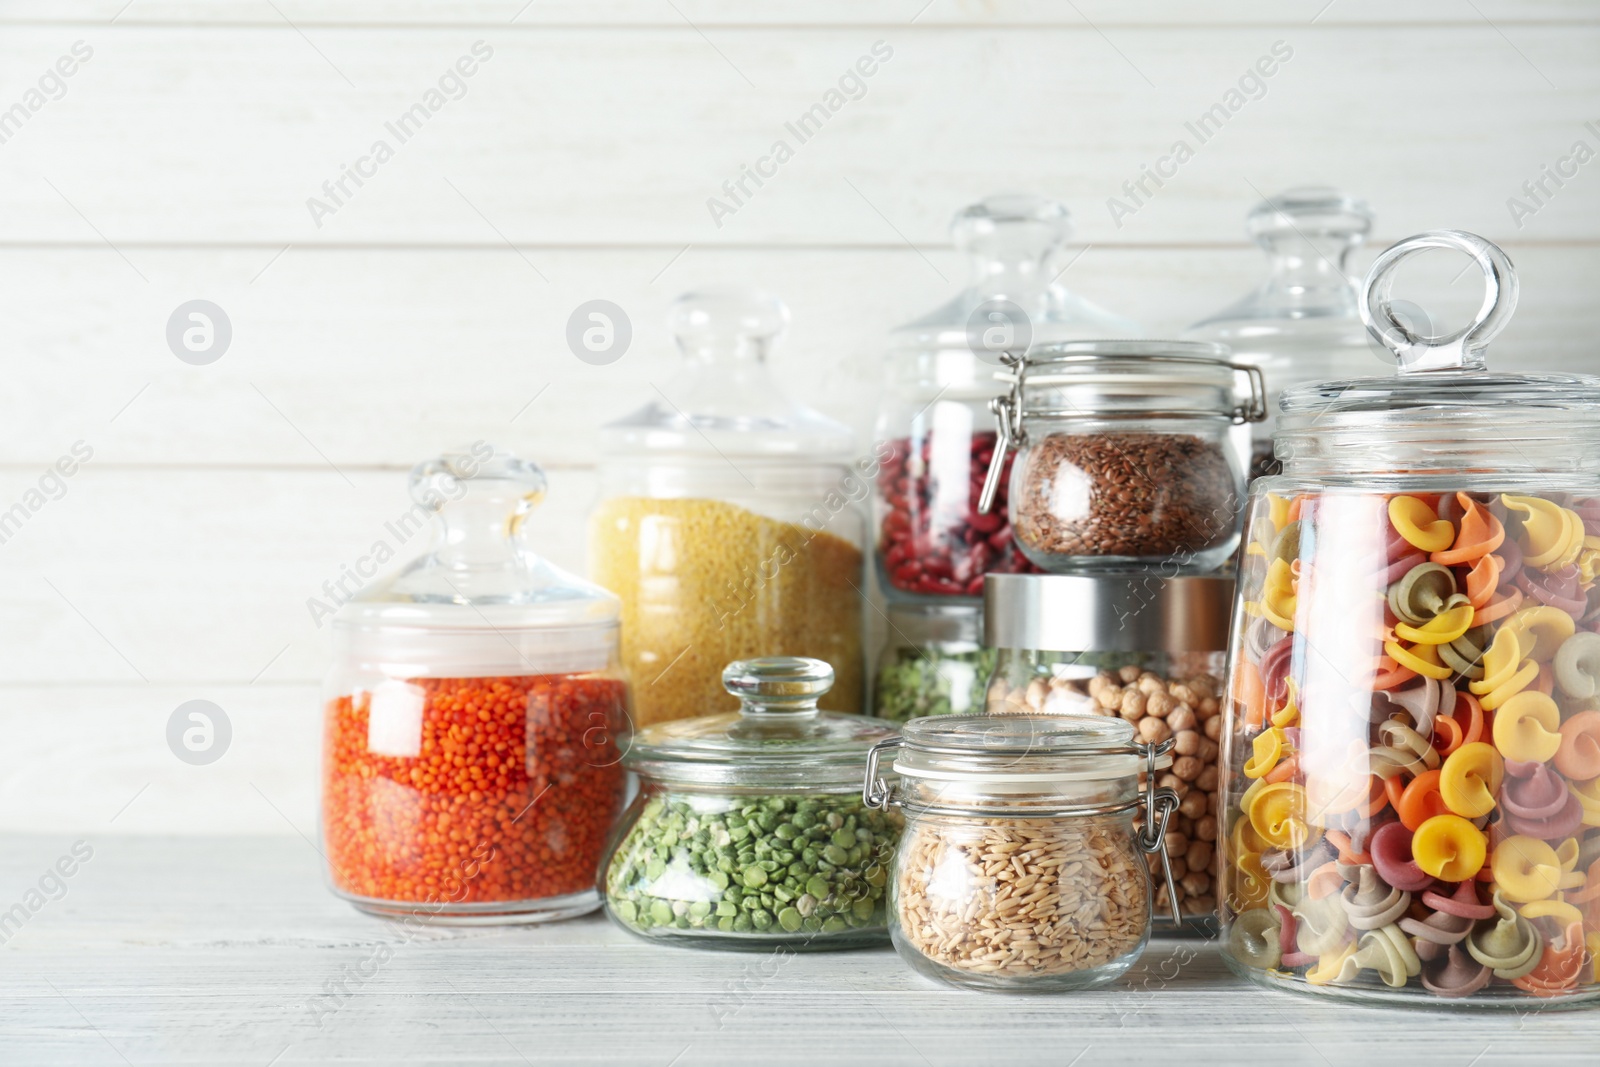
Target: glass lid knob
x,y
735,320
784,685
1465,348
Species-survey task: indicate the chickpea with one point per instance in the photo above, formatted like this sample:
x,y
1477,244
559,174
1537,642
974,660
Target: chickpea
x,y
1110,698
1209,707
1179,868
1208,750
1132,706
1199,856
1208,779
1187,767
1035,694
1160,704
1205,828
1182,717
1194,806
1213,727
1129,675
1194,882
1151,684
1176,844
1154,731
1189,743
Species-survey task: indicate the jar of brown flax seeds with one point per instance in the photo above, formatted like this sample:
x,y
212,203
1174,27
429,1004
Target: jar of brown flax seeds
x,y
1129,454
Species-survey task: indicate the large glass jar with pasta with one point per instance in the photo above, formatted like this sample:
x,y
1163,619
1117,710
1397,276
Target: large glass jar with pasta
x,y
1411,763
730,520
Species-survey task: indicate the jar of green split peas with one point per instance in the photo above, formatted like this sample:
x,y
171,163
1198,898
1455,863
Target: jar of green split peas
x,y
749,831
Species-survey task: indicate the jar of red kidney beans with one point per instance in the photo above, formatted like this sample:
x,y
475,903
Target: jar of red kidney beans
x,y
475,717
931,539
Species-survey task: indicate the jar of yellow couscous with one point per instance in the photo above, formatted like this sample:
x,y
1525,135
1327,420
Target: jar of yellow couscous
x,y
730,520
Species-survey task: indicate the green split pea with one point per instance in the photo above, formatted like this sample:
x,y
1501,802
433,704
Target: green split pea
x,y
780,866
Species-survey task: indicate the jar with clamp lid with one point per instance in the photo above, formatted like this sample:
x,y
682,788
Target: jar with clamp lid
x,y
1411,762
749,831
1021,868
1126,454
475,716
934,429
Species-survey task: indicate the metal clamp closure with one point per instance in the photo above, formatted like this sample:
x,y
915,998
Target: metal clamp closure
x,y
1008,425
875,792
1159,804
1256,409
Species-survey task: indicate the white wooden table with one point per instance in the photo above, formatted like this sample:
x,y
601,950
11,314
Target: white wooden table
x,y
216,951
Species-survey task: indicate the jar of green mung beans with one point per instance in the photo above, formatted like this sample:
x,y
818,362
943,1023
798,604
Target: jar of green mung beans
x,y
749,831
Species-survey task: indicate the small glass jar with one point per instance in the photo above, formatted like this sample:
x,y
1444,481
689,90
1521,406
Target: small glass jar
x,y
1144,649
474,715
749,831
933,661
1126,454
731,519
935,422
1021,868
1302,324
1411,762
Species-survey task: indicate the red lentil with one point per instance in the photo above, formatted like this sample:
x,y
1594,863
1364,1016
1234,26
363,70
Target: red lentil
x,y
511,796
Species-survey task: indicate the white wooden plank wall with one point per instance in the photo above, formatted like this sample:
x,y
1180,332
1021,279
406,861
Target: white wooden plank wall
x,y
429,309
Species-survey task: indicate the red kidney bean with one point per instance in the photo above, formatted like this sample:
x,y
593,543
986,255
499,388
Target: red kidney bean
x,y
926,547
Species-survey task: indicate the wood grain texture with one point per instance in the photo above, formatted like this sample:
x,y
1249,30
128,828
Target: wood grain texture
x,y
378,358
593,136
213,951
792,13
430,309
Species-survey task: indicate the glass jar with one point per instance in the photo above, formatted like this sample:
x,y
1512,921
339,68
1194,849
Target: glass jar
x,y
933,661
730,520
473,716
1147,650
1126,455
1302,324
1411,764
1021,868
935,424
748,831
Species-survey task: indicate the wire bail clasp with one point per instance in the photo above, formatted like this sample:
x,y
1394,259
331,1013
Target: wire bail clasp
x,y
1159,804
1007,411
875,791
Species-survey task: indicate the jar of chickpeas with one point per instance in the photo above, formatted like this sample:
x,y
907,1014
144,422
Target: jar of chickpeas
x,y
1144,649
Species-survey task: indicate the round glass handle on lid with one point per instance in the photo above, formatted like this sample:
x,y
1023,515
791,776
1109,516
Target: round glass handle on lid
x,y
778,685
1463,349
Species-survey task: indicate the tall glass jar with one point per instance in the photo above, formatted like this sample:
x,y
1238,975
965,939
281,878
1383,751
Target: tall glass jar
x,y
730,520
1021,868
749,831
1126,455
1302,324
933,662
1141,648
1411,779
931,540
474,716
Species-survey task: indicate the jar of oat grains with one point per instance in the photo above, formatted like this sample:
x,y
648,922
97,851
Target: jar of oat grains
x,y
1021,866
730,521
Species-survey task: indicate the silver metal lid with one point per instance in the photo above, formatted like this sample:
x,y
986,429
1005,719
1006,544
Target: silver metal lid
x,y
1107,613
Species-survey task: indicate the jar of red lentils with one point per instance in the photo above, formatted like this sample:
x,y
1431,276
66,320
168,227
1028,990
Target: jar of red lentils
x,y
476,714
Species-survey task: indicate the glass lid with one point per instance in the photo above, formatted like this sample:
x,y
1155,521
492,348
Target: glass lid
x,y
1015,244
479,574
724,401
777,738
1110,377
1308,234
1443,386
1019,748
